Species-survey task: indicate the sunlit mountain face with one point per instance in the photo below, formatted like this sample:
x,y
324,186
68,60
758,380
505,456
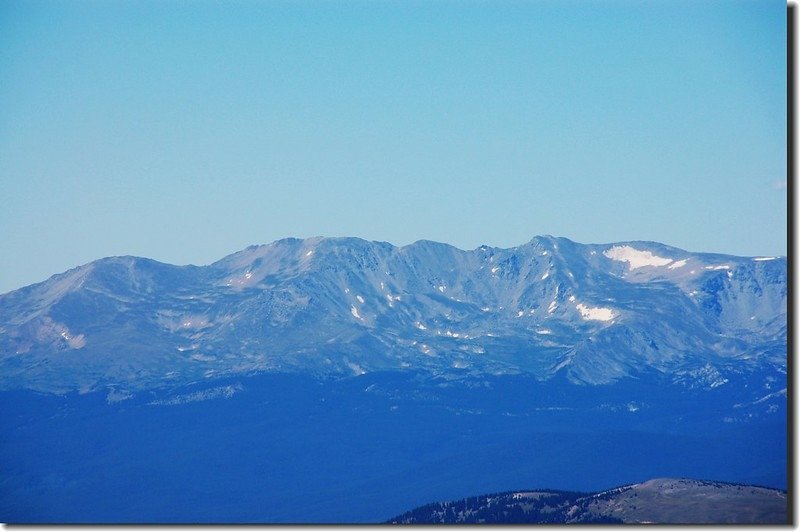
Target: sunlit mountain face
x,y
336,379
660,501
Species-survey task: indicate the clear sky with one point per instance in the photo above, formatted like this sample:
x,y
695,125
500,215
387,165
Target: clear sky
x,y
184,131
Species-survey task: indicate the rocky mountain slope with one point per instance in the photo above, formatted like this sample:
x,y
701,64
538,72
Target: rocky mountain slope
x,y
345,306
663,500
334,380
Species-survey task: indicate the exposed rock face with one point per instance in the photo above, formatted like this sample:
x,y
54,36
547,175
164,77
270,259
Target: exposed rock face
x,y
345,306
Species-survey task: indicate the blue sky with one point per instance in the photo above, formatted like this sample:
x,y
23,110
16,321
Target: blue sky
x,y
184,131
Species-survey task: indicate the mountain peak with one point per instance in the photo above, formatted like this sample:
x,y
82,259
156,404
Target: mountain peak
x,y
597,313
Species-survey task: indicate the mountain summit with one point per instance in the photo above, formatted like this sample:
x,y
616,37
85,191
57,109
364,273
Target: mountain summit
x,y
340,380
344,306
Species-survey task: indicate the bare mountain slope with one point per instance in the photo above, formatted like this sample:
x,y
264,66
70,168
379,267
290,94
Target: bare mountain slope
x,y
663,500
344,306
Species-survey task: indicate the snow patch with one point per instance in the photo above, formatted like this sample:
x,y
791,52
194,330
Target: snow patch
x,y
360,299
779,393
544,331
74,342
759,259
520,313
677,264
553,306
572,299
595,313
354,312
183,348
634,257
358,370
442,288
545,276
421,327
718,267
310,253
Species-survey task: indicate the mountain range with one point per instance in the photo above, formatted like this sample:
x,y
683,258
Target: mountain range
x,y
345,306
336,380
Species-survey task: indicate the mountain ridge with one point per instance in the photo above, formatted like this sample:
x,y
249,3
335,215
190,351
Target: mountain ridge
x,y
659,500
346,305
383,242
350,370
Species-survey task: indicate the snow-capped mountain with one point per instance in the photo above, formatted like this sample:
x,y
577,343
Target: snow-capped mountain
x,y
340,380
346,306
